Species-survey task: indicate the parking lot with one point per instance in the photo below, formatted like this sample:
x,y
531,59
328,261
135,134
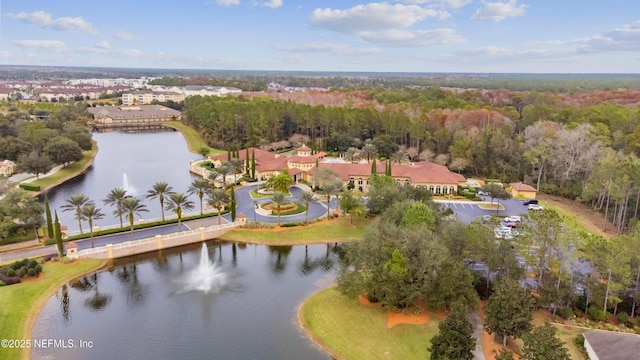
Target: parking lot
x,y
467,211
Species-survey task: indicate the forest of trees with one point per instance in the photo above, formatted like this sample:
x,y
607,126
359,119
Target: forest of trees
x,y
560,148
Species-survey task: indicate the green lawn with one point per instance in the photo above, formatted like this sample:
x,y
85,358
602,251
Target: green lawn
x,y
255,195
193,139
21,303
334,231
349,330
568,335
67,172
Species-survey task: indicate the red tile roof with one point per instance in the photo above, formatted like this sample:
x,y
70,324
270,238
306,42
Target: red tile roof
x,y
522,187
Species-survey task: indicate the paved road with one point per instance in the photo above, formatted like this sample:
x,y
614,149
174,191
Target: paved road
x,y
246,206
467,211
476,321
99,241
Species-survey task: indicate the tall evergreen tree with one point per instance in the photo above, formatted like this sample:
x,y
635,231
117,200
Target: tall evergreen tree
x,y
229,155
246,161
58,235
374,170
233,204
509,310
455,336
253,164
47,211
543,344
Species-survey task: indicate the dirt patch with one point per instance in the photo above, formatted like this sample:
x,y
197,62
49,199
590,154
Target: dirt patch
x,y
591,220
393,318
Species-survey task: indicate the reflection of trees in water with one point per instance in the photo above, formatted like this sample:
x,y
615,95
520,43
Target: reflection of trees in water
x,y
234,255
64,304
99,300
136,292
324,262
161,264
279,264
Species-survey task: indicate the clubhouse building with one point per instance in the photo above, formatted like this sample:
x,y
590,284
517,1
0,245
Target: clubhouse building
x,y
302,167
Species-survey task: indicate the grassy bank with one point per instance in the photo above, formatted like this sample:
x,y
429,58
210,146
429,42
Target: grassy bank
x,y
349,330
327,231
193,139
22,302
577,216
68,172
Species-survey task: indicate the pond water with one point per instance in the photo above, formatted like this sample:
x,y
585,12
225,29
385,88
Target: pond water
x,y
141,309
139,158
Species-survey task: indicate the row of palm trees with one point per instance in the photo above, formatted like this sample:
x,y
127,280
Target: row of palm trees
x,y
129,206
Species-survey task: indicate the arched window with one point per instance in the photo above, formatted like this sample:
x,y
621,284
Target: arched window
x,y
452,190
406,182
444,190
438,189
431,188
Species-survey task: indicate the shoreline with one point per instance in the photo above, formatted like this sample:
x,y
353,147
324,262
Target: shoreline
x,y
306,330
42,299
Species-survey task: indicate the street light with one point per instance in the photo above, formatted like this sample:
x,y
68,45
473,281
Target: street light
x,y
255,211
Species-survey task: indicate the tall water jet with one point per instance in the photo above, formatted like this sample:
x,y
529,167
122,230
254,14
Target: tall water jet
x,y
206,277
130,189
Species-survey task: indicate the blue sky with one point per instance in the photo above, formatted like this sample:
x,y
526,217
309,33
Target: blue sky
x,y
549,36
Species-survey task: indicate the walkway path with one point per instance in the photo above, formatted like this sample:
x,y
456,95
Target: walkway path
x,y
478,330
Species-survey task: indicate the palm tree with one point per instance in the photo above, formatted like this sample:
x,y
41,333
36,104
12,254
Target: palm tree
x,y
198,186
131,206
218,199
369,151
279,199
223,170
331,189
114,198
90,212
177,203
306,198
282,181
236,166
399,157
351,155
160,190
75,203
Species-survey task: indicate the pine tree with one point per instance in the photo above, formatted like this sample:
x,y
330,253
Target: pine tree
x,y
388,169
509,310
374,170
543,344
229,155
58,235
47,210
455,336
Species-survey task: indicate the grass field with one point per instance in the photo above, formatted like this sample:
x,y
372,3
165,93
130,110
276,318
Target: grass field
x,y
21,303
568,335
193,139
349,330
68,172
332,231
577,215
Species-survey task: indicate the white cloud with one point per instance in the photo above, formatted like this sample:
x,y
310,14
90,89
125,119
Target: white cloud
x,y
626,38
445,4
335,49
124,36
370,17
48,45
274,4
103,45
44,19
398,37
498,11
227,2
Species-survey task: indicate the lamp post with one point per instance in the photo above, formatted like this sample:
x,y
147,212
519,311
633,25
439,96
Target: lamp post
x,y
255,211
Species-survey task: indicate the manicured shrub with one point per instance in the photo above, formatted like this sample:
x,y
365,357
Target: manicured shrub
x,y
29,187
16,265
579,342
32,273
24,262
22,272
38,268
623,317
32,264
9,280
2,283
566,313
10,272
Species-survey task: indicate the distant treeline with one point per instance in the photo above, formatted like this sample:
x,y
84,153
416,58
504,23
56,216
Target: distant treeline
x,y
256,80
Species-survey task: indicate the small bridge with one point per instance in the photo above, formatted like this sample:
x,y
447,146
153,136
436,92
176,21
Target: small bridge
x,y
158,242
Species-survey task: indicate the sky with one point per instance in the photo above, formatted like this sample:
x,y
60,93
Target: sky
x,y
486,36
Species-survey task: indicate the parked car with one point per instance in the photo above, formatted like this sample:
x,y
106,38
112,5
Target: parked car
x,y
482,193
486,218
530,201
535,207
513,218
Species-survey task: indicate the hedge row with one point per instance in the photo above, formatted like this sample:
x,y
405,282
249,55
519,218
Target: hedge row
x,y
29,187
